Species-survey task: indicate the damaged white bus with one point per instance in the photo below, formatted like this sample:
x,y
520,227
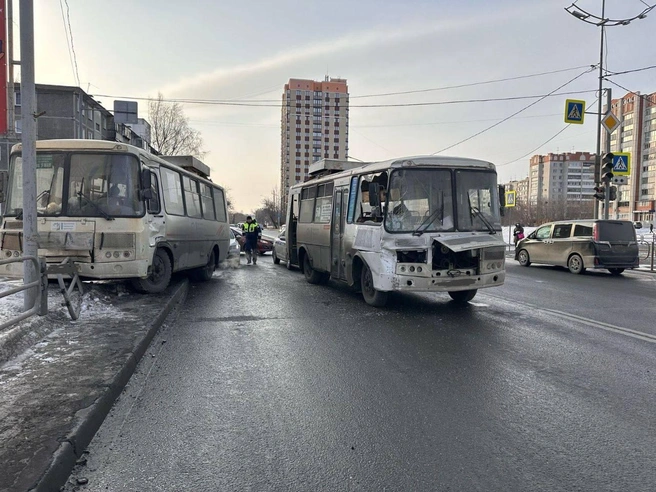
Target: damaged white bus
x,y
118,212
417,224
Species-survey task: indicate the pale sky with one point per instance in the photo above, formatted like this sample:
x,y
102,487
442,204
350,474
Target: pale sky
x,y
220,50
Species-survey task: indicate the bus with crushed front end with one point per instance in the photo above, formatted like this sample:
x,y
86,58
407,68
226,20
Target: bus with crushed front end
x,y
415,224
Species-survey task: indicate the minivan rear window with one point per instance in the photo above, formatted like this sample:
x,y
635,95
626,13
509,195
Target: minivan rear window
x,y
582,231
615,231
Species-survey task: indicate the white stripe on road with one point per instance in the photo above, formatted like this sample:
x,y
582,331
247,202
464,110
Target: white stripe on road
x,y
647,337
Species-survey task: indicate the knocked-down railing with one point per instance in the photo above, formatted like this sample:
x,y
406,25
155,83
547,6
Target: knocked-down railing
x,y
41,285
69,269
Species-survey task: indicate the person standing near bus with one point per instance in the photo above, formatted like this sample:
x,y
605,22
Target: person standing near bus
x,y
252,232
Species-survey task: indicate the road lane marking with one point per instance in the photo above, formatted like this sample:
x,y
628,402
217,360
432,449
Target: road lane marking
x,y
647,337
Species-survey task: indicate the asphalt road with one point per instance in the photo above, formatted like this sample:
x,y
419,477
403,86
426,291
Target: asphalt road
x,y
264,382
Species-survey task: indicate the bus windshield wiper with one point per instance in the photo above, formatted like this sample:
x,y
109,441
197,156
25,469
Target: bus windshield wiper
x,y
426,223
95,206
480,215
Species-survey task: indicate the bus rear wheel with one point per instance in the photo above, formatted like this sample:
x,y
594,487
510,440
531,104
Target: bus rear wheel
x,y
159,277
204,274
462,296
311,275
371,296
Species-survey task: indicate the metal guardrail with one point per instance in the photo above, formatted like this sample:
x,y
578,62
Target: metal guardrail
x,y
69,269
41,285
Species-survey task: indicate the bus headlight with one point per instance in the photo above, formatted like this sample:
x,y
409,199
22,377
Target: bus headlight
x,y
108,254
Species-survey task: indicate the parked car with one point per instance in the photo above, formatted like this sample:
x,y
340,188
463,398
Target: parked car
x,y
581,244
637,225
264,244
280,249
234,249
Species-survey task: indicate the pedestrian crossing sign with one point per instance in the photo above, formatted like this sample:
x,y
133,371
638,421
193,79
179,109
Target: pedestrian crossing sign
x,y
510,198
574,111
622,163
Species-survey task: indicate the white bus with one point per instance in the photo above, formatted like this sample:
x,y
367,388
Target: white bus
x,y
117,212
415,224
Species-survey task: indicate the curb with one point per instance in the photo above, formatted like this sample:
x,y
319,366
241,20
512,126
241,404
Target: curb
x,y
91,418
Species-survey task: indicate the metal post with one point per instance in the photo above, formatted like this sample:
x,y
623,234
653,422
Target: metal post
x,y
607,150
11,115
601,78
653,236
28,139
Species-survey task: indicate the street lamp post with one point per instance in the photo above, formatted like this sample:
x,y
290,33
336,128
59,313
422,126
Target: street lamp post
x,y
602,22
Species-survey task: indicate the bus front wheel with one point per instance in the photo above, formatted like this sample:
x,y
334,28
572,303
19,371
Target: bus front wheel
x,y
159,277
371,296
462,296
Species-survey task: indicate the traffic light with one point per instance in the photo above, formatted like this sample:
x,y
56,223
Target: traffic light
x,y
607,168
613,193
600,192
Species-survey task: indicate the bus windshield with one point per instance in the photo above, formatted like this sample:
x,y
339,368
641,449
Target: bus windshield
x,y
97,185
477,201
421,200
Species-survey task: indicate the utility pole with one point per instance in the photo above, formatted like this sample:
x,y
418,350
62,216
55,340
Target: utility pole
x,y
609,101
28,139
11,115
603,22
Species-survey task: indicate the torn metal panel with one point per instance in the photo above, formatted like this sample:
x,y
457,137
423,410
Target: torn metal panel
x,y
464,242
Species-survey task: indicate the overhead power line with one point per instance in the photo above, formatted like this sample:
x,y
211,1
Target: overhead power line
x,y
612,74
70,31
542,144
68,43
472,84
211,102
261,102
516,112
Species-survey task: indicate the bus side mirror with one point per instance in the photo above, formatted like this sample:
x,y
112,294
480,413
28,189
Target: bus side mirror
x,y
146,185
374,194
4,179
502,199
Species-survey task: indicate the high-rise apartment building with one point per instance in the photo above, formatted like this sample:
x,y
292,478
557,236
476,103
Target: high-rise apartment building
x,y
561,178
314,126
637,135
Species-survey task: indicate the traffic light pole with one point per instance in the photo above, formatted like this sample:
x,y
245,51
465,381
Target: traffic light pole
x,y
607,151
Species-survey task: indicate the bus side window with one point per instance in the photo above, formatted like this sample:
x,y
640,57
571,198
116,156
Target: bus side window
x,y
153,204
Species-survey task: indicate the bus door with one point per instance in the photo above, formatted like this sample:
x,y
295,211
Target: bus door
x,y
155,212
340,205
292,246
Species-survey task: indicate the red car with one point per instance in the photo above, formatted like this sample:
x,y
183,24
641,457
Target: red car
x,y
264,245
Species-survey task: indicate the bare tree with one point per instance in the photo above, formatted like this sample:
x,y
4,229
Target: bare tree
x,y
270,210
171,133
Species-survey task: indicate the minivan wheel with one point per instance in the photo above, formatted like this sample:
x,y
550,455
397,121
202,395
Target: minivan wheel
x,y
575,264
276,260
523,258
616,271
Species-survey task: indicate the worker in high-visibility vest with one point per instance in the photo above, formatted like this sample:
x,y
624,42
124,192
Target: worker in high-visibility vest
x,y
252,233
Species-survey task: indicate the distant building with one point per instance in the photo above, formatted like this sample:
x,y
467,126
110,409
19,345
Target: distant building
x,y
561,178
69,112
314,126
521,191
637,135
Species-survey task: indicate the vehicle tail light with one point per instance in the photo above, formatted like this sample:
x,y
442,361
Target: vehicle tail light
x,y
595,232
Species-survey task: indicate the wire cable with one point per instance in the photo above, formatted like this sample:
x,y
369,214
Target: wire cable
x,y
70,30
213,102
542,144
472,84
68,42
612,74
516,112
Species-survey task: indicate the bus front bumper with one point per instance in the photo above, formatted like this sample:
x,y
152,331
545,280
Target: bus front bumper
x,y
104,270
407,283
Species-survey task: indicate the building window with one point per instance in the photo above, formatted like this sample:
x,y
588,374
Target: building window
x,y
18,98
18,125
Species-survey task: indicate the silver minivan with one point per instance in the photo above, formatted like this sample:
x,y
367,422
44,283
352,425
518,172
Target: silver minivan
x,y
581,244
